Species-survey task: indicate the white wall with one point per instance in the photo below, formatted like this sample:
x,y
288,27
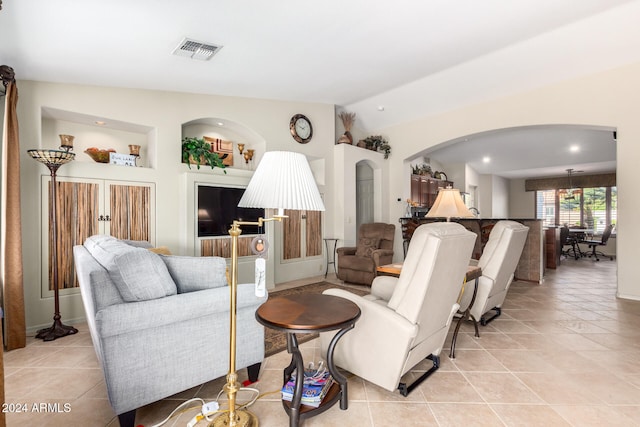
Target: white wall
x,y
604,99
164,113
500,197
346,159
522,204
485,199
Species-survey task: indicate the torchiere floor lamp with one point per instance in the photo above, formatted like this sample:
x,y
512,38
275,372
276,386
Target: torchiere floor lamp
x,y
53,159
283,180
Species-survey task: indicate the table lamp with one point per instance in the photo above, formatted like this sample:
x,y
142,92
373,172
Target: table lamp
x,y
53,159
283,180
449,205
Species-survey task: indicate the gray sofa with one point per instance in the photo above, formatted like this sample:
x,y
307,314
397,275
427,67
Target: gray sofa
x,y
160,324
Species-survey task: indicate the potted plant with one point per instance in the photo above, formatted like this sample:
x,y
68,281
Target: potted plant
x,y
378,143
422,169
199,151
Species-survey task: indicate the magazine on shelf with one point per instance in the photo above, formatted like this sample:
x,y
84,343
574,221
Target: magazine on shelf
x,y
315,387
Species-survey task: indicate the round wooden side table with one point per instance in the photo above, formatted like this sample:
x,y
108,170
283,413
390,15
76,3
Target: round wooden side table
x,y
310,313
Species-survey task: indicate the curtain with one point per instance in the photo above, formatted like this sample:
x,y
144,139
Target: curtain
x,y
11,237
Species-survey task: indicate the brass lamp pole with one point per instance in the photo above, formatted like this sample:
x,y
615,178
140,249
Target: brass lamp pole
x,y
53,159
239,418
283,180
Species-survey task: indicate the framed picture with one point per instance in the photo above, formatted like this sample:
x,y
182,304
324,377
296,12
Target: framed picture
x,y
221,147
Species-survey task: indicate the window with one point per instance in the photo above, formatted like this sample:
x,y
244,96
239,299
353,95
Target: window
x,y
546,207
593,208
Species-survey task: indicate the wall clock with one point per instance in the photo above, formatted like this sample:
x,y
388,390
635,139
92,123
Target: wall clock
x,y
300,127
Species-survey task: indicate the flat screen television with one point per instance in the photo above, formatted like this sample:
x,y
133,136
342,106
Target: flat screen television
x,y
218,207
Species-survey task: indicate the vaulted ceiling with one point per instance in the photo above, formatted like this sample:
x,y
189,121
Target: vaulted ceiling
x,y
408,58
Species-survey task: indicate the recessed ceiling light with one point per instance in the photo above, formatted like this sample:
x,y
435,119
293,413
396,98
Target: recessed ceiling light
x,y
220,124
100,123
486,159
574,148
380,107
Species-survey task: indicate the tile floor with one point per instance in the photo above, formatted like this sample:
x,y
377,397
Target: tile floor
x,y
564,353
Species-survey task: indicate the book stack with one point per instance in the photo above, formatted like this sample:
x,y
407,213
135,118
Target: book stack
x,y
315,387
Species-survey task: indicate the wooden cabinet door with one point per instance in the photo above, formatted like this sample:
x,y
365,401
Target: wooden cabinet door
x,y
91,206
424,192
130,211
415,190
302,234
78,204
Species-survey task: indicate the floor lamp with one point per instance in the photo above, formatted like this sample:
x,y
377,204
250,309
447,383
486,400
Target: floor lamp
x,y
53,159
283,180
449,205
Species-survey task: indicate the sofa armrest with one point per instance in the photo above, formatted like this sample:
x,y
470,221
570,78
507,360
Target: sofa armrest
x,y
382,340
382,256
346,250
135,316
383,287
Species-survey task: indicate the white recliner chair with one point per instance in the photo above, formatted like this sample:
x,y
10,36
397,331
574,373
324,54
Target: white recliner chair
x,y
405,320
498,262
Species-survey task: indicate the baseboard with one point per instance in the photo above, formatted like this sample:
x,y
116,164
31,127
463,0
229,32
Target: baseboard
x,y
630,297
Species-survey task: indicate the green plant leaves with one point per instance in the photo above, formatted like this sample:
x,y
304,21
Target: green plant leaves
x,y
198,150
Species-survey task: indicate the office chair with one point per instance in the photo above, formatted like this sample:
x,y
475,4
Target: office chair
x,y
593,244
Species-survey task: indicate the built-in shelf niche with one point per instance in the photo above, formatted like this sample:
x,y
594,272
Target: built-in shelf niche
x,y
100,132
228,130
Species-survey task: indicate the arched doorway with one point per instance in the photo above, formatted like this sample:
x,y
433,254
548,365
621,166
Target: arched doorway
x,y
365,194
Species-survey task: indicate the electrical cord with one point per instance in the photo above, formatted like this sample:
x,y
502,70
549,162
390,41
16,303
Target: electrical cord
x,y
180,409
311,375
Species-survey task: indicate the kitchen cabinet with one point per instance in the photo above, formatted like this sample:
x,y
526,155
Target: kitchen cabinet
x,y
424,189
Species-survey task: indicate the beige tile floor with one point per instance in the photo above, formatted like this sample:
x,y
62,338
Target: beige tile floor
x,y
564,353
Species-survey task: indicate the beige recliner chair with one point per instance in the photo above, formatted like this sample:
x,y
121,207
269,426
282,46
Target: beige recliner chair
x,y
375,248
498,262
406,319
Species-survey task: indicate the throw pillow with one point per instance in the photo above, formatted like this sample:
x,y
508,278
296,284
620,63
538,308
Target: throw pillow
x,y
160,250
138,274
366,246
196,273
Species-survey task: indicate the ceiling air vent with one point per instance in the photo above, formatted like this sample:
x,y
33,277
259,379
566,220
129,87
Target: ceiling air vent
x,y
196,50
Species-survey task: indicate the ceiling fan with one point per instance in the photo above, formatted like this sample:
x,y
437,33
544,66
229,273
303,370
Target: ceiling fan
x,y
570,192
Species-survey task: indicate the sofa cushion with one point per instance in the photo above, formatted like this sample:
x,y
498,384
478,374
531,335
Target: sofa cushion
x,y
366,246
196,273
138,274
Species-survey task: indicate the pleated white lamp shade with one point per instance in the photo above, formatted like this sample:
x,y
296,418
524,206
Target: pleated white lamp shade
x,y
283,180
449,205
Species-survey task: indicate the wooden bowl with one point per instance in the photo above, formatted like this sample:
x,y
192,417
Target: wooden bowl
x,y
98,155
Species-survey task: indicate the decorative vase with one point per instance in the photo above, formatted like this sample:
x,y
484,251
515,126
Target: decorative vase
x,y
348,135
344,139
66,142
347,121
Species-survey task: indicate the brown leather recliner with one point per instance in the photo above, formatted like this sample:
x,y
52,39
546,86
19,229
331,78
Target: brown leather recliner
x,y
375,248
